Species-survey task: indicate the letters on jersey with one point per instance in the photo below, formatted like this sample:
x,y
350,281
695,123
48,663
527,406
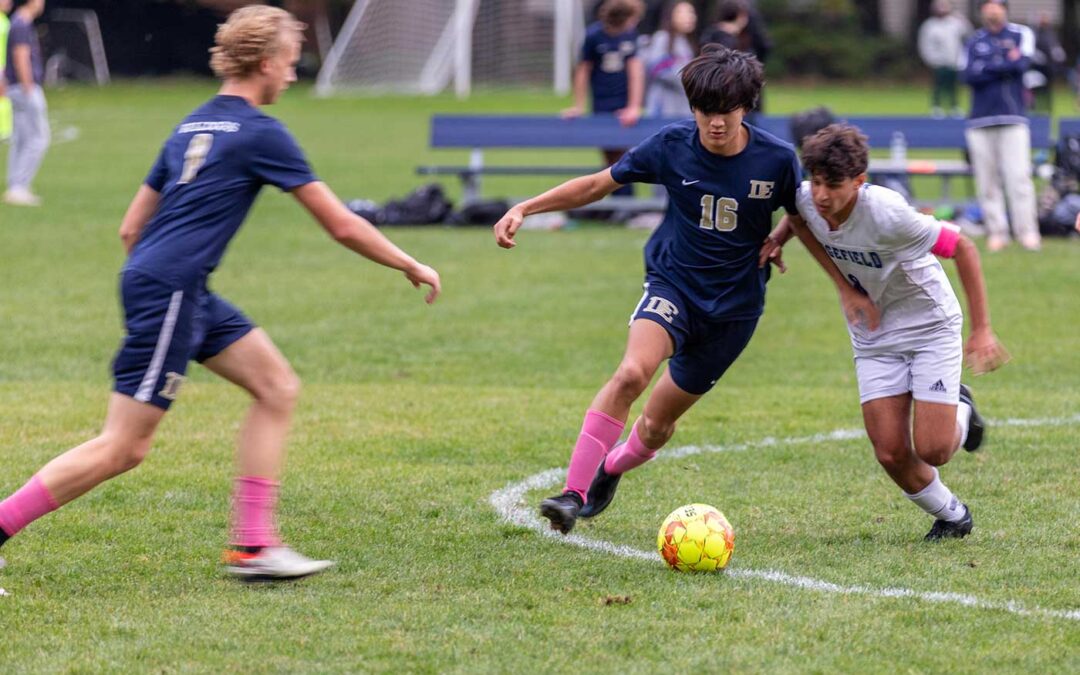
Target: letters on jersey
x,y
718,215
885,250
208,174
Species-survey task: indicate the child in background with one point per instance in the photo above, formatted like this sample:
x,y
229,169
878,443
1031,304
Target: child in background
x,y
671,48
611,72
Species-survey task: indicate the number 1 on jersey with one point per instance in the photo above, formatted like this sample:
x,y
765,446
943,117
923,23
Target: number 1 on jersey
x,y
719,214
195,156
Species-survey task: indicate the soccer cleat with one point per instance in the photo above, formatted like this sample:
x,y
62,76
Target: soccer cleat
x,y
270,563
976,425
562,511
21,197
944,529
601,492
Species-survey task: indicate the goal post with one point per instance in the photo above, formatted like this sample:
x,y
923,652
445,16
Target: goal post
x,y
424,46
78,48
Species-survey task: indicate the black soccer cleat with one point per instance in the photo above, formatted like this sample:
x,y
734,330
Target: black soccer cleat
x,y
976,425
601,492
944,529
562,511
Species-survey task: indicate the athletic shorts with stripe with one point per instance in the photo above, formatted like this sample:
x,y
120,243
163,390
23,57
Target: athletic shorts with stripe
x,y
704,349
167,326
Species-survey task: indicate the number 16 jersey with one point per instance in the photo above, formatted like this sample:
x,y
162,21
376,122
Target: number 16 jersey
x,y
718,215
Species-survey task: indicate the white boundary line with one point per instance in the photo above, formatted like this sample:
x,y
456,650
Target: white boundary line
x,y
509,503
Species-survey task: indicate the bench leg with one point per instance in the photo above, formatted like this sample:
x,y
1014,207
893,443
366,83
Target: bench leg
x,y
471,181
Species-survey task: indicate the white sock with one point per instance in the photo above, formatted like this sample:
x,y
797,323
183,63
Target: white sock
x,y
938,501
963,416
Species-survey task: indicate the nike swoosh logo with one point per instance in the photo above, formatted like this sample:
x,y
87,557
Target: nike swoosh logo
x,y
690,182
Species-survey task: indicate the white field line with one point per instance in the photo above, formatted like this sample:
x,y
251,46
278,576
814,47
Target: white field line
x,y
509,503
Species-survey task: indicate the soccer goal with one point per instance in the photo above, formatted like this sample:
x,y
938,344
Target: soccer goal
x,y
424,46
77,50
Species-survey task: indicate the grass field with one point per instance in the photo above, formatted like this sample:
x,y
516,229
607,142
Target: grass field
x,y
413,417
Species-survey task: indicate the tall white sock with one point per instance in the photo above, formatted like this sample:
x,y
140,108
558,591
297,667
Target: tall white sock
x,y
963,416
938,501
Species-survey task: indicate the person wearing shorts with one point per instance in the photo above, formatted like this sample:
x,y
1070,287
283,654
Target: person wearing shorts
x,y
176,230
704,291
869,238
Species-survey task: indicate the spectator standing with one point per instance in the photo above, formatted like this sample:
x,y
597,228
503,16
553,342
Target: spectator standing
x,y
5,103
30,134
739,25
998,137
610,71
1046,64
941,46
671,48
750,36
732,18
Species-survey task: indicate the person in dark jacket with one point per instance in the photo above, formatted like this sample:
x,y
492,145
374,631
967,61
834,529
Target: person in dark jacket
x,y
998,137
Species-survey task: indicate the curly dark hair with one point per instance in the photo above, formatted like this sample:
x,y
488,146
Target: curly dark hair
x,y
836,153
722,80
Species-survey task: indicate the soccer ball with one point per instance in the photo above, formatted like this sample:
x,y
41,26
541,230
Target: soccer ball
x,y
696,538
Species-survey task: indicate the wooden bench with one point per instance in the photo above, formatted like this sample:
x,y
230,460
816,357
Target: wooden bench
x,y
481,133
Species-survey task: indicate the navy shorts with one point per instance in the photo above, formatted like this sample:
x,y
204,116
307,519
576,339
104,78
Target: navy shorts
x,y
167,326
704,349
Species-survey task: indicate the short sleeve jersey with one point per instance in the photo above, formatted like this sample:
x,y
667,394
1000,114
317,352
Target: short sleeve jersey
x,y
884,249
22,33
208,173
718,215
608,55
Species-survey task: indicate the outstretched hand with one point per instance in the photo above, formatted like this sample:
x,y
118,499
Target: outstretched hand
x,y
422,275
507,227
984,353
772,251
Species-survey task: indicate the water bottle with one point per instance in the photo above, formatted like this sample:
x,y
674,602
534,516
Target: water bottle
x,y
898,148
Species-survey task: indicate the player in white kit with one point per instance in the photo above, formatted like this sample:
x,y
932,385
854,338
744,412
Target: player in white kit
x,y
873,240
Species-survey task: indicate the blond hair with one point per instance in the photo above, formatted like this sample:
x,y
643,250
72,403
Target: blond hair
x,y
249,36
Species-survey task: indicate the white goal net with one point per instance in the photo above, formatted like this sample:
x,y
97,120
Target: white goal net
x,y
76,49
424,46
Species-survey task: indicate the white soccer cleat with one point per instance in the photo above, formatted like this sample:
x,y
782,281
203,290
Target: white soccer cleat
x,y
272,563
21,197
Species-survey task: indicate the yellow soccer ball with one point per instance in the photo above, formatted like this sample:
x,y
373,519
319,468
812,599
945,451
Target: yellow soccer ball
x,y
696,538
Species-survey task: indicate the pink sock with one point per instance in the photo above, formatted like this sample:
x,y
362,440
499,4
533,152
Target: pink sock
x,y
629,455
29,503
598,434
253,512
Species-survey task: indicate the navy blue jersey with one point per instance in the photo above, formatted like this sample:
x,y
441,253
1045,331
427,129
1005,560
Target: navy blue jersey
x,y
209,173
608,54
718,215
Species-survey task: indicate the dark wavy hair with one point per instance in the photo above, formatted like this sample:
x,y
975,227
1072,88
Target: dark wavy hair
x,y
721,80
836,153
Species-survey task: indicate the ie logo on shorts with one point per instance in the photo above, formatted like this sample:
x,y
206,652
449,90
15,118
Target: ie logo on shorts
x,y
172,386
665,308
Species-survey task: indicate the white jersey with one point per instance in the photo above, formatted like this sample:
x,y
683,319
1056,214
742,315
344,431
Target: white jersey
x,y
884,248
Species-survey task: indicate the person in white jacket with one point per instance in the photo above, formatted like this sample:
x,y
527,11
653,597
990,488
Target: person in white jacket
x,y
941,43
671,48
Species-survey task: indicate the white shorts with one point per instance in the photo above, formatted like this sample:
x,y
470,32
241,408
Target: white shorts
x,y
930,373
